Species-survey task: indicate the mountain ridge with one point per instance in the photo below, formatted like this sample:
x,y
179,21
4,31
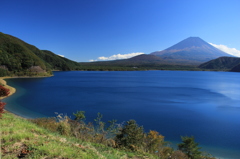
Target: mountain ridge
x,y
236,68
193,49
22,59
221,63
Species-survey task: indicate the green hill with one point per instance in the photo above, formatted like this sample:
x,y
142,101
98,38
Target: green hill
x,y
57,62
20,58
221,63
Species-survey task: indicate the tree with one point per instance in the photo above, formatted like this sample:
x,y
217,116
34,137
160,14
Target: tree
x,y
189,147
131,135
154,141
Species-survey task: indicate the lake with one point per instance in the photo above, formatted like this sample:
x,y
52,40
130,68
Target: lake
x,y
174,103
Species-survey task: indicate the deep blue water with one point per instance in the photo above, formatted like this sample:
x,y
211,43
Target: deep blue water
x,y
175,103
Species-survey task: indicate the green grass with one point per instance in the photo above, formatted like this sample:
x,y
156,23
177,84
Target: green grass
x,y
22,138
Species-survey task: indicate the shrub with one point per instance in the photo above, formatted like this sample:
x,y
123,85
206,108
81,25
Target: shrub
x,y
4,91
79,115
179,155
2,104
63,126
166,153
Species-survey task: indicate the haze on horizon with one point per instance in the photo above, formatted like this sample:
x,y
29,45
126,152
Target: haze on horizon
x,y
84,30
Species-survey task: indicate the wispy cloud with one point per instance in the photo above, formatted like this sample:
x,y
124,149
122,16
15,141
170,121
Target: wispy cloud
x,y
117,56
231,51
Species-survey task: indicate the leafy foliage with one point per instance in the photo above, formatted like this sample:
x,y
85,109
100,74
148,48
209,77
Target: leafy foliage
x,y
4,72
4,91
79,115
56,62
15,55
154,141
128,136
18,58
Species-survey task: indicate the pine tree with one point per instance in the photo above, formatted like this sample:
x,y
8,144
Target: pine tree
x,y
131,135
190,147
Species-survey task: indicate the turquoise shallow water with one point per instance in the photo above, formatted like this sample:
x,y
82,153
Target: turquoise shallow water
x,y
175,103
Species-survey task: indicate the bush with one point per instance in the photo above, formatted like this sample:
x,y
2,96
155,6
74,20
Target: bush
x,y
79,115
4,91
2,104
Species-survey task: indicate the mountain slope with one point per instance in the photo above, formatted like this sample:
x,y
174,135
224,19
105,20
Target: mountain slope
x,y
20,58
236,68
192,49
57,62
221,63
15,55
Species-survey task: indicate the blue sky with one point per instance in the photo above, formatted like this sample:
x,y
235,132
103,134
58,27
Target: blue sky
x,y
84,30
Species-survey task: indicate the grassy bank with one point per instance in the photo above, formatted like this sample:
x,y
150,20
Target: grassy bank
x,y
21,138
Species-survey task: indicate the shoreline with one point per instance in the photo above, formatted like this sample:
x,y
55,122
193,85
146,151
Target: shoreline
x,y
13,90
